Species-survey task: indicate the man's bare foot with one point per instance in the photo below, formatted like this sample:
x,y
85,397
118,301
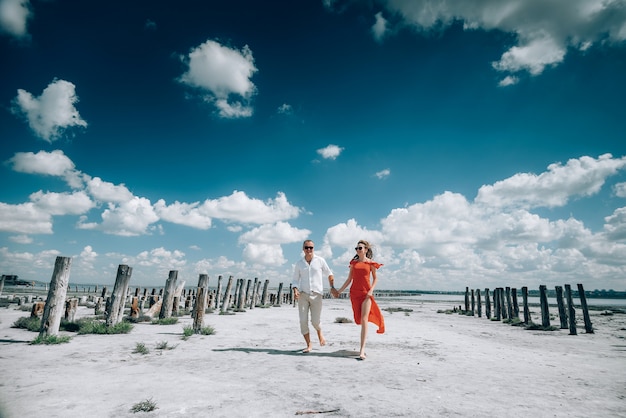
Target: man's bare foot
x,y
322,341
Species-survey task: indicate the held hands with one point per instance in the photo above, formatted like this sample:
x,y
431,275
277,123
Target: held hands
x,y
334,292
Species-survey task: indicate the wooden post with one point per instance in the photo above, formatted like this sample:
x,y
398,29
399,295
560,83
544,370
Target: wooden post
x,y
218,292
478,304
473,302
253,295
53,311
241,298
167,302
525,302
561,305
236,293
71,305
246,298
201,301
2,283
134,307
509,305
583,305
571,310
487,304
115,311
264,294
496,303
503,309
515,305
226,299
280,291
545,312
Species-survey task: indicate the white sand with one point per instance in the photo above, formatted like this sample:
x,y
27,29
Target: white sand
x,y
427,364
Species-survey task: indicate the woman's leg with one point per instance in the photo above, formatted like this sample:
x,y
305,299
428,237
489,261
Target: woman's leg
x,y
365,312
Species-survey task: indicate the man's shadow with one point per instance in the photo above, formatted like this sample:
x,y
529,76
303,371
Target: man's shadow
x,y
338,354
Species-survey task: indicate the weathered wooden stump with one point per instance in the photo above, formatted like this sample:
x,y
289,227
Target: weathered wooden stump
x,y
115,307
201,303
525,302
487,304
561,306
226,298
583,305
545,311
571,310
37,309
55,303
168,295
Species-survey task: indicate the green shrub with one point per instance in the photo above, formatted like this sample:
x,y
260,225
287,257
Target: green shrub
x,y
144,406
162,345
94,326
140,348
208,330
51,339
188,332
165,321
31,324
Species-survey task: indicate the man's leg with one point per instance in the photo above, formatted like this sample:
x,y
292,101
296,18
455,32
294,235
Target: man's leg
x,y
304,305
316,315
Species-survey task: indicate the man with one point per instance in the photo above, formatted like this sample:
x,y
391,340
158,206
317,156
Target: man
x,y
308,290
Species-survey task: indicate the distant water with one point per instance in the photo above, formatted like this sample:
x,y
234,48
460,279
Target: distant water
x,y
460,300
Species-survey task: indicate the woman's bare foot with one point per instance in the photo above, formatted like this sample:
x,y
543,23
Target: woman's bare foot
x,y
362,356
307,350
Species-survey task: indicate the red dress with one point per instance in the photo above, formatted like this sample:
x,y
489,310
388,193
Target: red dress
x,y
358,291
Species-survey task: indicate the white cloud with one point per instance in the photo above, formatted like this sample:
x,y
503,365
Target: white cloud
x,y
620,189
330,152
543,32
54,163
579,177
50,114
222,73
238,207
188,214
25,218
14,16
380,28
21,239
264,254
104,191
508,81
129,218
383,173
62,203
285,109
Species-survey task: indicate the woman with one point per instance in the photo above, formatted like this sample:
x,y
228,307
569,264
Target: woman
x,y
362,291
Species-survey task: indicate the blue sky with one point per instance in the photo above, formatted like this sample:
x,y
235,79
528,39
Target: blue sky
x,y
474,143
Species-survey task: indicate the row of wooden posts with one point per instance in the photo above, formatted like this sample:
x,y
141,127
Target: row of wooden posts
x,y
166,303
506,306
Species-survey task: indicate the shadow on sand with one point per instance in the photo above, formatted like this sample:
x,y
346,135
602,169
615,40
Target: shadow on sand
x,y
339,354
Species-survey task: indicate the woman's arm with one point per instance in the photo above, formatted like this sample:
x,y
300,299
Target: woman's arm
x,y
374,281
347,282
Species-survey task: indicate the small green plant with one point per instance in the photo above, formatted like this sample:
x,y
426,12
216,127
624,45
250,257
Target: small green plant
x,y
342,320
140,348
208,330
537,327
31,324
188,331
162,345
144,406
51,339
392,310
94,326
165,321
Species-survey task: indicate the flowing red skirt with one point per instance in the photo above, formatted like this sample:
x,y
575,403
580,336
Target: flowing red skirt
x,y
375,316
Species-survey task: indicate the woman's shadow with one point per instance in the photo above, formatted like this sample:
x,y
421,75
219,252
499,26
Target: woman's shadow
x,y
339,354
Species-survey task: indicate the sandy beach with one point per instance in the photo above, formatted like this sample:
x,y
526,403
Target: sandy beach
x,y
427,364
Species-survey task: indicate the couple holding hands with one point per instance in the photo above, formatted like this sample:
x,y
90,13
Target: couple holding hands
x,y
308,288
